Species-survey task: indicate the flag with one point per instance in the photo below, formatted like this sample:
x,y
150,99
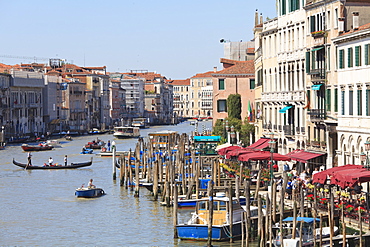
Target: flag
x,y
249,111
308,102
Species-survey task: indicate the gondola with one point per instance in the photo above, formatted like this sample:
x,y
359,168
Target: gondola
x,y
28,148
70,166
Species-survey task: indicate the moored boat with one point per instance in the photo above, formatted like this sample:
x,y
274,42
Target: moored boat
x,y
126,132
89,192
98,144
70,166
197,227
41,147
87,151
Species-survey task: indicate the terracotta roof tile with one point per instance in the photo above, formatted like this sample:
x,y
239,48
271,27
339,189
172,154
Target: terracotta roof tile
x,y
185,82
236,67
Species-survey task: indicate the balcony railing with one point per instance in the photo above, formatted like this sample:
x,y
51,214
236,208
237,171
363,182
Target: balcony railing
x,y
317,114
318,73
288,130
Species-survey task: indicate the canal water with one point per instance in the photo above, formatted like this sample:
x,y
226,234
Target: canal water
x,y
39,208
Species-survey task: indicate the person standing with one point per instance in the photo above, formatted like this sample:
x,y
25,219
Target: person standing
x,y
29,155
51,161
65,160
108,144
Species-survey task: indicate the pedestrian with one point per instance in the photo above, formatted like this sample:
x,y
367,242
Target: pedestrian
x,y
108,144
51,161
65,160
29,155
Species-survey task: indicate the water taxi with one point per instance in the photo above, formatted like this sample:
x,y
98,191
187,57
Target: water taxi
x,y
126,132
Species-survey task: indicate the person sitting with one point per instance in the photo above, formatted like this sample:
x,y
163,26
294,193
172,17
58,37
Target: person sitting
x,y
90,184
83,149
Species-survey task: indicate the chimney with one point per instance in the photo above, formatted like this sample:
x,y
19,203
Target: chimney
x,y
214,69
256,18
355,20
261,19
340,24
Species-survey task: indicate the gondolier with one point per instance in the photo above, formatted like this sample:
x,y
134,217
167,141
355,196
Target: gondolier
x,y
29,155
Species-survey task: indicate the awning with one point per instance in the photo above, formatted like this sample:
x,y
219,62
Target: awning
x,y
260,144
303,156
319,48
223,151
237,152
316,87
263,155
283,110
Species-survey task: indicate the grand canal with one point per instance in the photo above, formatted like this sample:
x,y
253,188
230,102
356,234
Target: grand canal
x,y
39,208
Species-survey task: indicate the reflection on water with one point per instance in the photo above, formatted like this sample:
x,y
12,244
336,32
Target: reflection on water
x,y
39,208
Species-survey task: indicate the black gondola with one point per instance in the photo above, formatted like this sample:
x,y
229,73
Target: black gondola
x,y
70,166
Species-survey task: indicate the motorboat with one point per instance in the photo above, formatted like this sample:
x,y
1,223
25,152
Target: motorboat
x,y
222,229
89,192
126,132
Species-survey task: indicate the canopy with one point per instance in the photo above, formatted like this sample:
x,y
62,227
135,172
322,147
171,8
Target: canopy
x,y
305,219
263,155
223,151
344,176
260,144
283,110
316,87
303,156
237,152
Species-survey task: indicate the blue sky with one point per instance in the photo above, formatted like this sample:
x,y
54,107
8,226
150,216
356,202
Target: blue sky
x,y
174,38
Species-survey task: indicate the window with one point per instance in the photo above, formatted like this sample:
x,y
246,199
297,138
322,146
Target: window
x,y
308,62
350,102
357,55
343,94
367,102
221,105
221,84
359,102
328,59
336,18
252,83
328,99
367,54
336,100
350,57
341,59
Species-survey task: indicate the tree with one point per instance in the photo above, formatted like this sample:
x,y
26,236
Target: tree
x,y
245,129
234,106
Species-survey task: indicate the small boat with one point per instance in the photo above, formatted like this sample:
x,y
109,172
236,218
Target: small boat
x,y
68,138
197,227
126,132
41,147
53,143
95,144
96,131
87,151
70,166
139,122
310,230
89,192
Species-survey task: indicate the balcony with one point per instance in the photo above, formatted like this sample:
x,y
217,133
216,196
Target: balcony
x,y
317,115
318,34
288,130
318,74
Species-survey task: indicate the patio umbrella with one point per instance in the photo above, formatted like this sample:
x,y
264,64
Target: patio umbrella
x,y
349,177
321,177
223,151
263,155
237,152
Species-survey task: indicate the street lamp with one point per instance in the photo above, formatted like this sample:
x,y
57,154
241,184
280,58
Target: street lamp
x,y
365,159
232,135
272,145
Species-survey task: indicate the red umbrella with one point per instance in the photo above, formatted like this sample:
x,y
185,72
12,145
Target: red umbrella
x,y
263,155
223,151
237,152
321,177
349,177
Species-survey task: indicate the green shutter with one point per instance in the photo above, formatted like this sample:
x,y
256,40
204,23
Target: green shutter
x,y
349,57
221,84
341,59
358,55
252,84
312,21
328,100
367,60
308,62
